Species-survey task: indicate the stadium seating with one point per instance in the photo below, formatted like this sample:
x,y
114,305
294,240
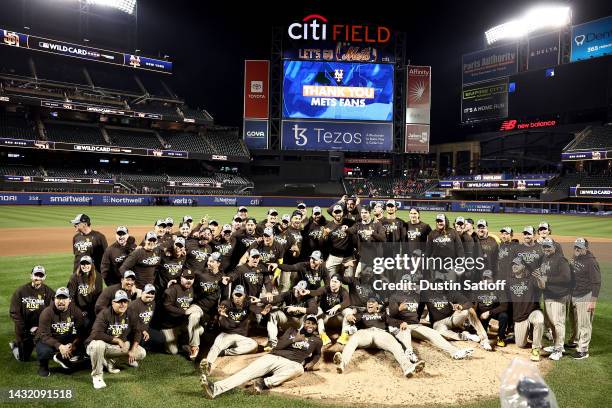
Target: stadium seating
x,y
103,78
187,141
17,127
388,186
167,110
70,133
50,68
133,138
14,170
198,115
595,137
226,142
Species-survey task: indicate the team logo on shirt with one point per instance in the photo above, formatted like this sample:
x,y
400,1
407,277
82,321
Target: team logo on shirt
x,y
209,287
439,303
312,278
316,234
173,268
371,317
442,239
83,246
529,257
297,237
411,307
117,329
413,234
519,289
33,303
224,249
83,289
390,228
339,234
146,316
237,315
253,277
199,255
267,257
281,239
300,345
365,234
503,252
120,258
332,300
63,327
248,241
184,301
487,300
151,261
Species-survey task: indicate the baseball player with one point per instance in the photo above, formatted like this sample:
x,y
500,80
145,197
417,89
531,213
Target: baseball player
x,y
180,317
493,304
360,290
365,231
115,254
296,351
556,273
529,251
208,287
235,316
443,242
545,231
350,208
416,231
524,290
246,236
312,232
85,286
449,310
313,271
252,275
289,311
489,246
292,253
270,221
333,303
584,295
508,250
244,212
142,310
270,251
372,332
395,227
378,212
185,229
27,303
86,241
127,284
60,333
198,249
144,261
338,242
226,244
172,260
113,335
169,226
163,239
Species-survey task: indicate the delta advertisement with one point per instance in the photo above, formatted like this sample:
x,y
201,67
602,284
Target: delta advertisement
x,y
484,101
255,133
592,39
543,51
490,64
342,136
47,45
337,90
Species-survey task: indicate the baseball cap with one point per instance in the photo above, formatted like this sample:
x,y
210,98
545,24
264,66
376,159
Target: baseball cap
x,y
169,221
459,220
528,230
547,242
373,298
187,274
440,217
268,232
238,289
272,211
237,218
286,218
151,235
213,222
390,203
507,230
543,225
187,218
301,285
487,274
120,295
469,221
215,256
149,288
301,206
335,277
518,261
129,274
311,317
243,208
316,255
316,210
179,241
227,227
122,230
337,208
86,259
39,269
81,218
160,223
296,212
254,253
481,222
581,243
62,292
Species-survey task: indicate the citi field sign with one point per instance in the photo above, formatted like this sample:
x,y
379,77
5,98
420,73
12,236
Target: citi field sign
x,y
315,27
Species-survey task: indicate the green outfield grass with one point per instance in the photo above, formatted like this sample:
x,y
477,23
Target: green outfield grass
x,y
174,380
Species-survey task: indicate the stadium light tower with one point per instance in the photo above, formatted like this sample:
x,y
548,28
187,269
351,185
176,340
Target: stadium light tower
x,y
537,18
127,6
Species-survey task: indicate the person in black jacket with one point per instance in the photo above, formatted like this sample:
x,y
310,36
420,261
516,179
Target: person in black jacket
x,y
115,254
493,304
85,286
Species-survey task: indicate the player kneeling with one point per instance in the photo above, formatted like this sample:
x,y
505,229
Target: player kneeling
x,y
372,333
296,351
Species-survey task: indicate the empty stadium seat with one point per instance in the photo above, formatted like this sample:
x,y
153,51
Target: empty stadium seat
x,y
69,133
133,138
16,127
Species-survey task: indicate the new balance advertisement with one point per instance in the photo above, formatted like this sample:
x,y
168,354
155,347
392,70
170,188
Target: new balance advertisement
x,y
255,133
338,90
592,39
418,98
417,138
339,51
342,136
543,51
490,64
51,46
484,101
256,89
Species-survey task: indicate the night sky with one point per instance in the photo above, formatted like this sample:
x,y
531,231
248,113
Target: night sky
x,y
209,44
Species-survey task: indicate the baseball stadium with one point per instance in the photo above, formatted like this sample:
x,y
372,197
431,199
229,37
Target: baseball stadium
x,y
306,205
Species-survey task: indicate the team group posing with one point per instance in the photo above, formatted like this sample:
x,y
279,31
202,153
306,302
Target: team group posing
x,y
301,276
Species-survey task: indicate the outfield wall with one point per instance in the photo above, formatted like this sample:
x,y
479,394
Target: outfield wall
x,y
102,199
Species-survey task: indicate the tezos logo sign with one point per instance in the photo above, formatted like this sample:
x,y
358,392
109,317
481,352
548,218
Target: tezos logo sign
x,y
314,27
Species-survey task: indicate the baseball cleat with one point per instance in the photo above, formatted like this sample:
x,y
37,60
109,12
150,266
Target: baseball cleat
x,y
556,355
98,382
207,387
133,364
580,355
14,350
466,336
206,367
269,346
462,354
110,366
411,356
501,342
193,352
259,385
325,339
551,349
43,371
64,363
338,362
486,345
343,339
570,345
419,366
535,354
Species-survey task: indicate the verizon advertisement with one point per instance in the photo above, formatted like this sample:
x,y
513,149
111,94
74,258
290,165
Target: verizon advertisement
x,y
256,89
417,138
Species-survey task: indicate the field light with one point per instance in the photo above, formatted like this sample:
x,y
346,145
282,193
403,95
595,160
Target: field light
x,y
127,6
535,19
